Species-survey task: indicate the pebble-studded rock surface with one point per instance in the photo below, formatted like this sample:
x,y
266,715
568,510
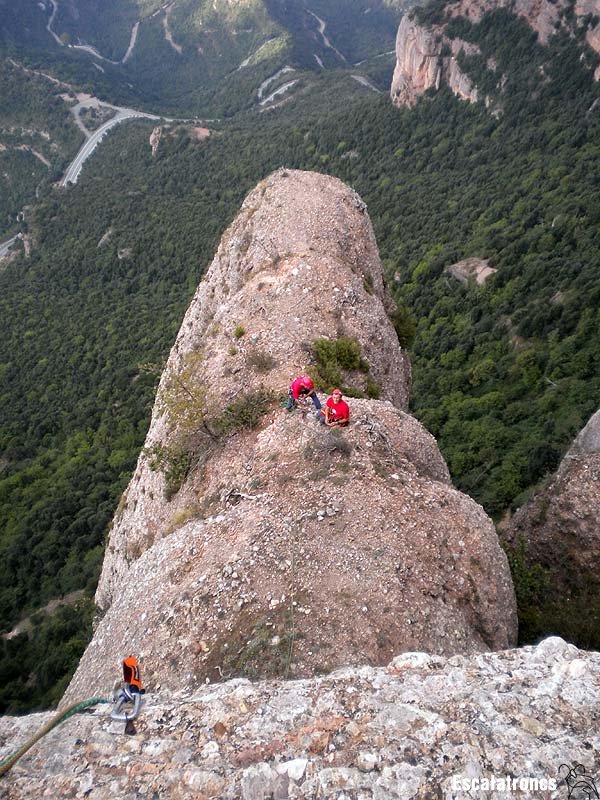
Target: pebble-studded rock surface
x,y
416,729
298,263
319,549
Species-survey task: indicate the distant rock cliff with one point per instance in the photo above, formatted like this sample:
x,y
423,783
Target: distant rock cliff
x,y
591,7
286,548
541,15
421,65
412,731
426,57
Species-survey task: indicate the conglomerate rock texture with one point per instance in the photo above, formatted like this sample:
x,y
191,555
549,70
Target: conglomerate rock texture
x,y
299,262
291,549
426,57
415,730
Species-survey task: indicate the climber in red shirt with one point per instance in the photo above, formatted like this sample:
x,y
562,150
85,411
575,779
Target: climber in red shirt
x,y
336,412
300,388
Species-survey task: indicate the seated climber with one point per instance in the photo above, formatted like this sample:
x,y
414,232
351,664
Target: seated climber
x,y
301,389
336,412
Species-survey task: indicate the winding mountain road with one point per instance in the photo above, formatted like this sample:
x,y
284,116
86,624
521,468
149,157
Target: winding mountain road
x,y
270,79
6,246
74,169
366,82
326,40
88,48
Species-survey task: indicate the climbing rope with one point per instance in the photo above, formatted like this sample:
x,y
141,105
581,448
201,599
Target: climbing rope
x,y
11,760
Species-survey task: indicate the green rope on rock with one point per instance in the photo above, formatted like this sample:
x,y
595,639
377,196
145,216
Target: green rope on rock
x,y
11,760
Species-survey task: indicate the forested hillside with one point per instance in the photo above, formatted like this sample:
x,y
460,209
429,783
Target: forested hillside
x,y
191,59
505,373
194,57
38,137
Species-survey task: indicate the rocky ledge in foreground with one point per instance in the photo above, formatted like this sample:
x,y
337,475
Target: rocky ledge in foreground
x,y
416,729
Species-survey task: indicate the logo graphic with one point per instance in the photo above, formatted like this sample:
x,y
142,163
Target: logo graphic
x,y
581,786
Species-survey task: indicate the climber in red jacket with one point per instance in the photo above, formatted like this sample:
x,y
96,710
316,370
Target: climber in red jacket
x,y
300,388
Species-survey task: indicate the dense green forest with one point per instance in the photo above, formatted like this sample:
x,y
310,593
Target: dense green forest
x,y
505,374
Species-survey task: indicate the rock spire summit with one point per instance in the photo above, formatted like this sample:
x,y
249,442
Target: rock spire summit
x,y
254,542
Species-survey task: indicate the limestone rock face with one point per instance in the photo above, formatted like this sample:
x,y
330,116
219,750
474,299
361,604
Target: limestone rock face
x,y
426,57
587,442
155,138
299,262
289,548
415,729
559,525
420,64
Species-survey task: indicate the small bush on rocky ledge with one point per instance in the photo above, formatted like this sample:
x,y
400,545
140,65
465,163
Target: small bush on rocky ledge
x,y
339,443
245,411
183,516
335,358
195,441
184,401
332,441
173,461
260,360
267,649
324,452
372,389
191,431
